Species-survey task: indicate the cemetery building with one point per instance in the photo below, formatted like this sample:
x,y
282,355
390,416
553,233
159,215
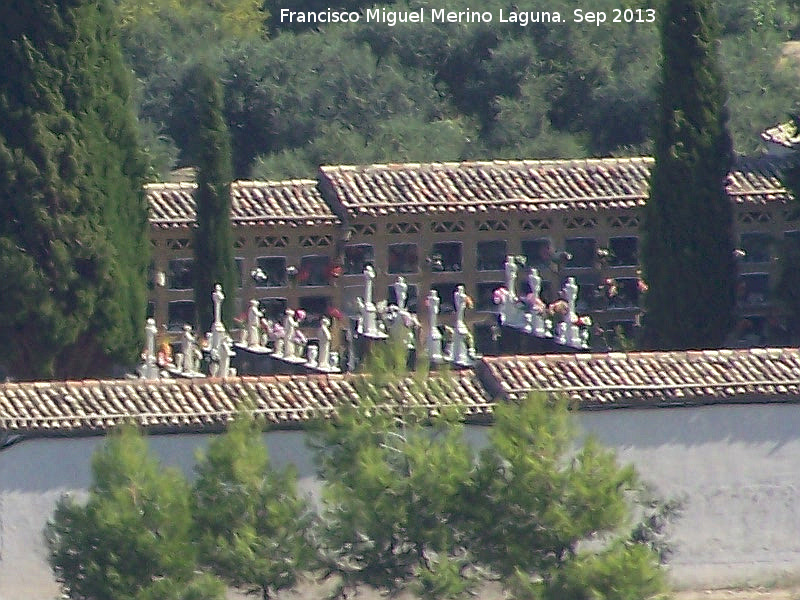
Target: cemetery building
x,y
305,243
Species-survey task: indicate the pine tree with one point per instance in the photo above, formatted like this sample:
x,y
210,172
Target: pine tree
x,y
211,151
131,540
407,506
687,251
251,524
73,218
787,286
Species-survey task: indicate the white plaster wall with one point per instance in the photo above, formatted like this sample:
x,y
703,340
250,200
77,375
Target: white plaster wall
x,y
737,467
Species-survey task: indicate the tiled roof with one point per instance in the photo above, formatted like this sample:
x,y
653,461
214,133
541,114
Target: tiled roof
x,y
41,408
638,379
290,203
532,185
529,185
651,378
785,135
757,181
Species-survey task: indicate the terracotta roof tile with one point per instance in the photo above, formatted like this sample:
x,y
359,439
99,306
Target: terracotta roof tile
x,y
290,203
591,380
645,378
530,186
66,407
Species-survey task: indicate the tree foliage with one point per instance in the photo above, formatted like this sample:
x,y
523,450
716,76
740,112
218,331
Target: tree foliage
x,y
407,505
251,525
688,246
210,147
787,285
539,510
390,502
73,250
538,91
131,539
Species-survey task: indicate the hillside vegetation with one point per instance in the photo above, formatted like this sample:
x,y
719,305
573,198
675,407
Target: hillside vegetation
x,y
298,96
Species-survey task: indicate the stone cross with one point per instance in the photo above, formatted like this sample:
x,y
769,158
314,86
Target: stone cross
x,y
218,332
401,292
434,335
253,319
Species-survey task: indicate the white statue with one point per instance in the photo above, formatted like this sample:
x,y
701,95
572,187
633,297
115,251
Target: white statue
x,y
369,278
537,322
149,369
324,335
460,351
220,365
369,316
434,335
289,326
511,276
401,292
535,282
460,303
189,350
225,358
217,297
572,334
253,320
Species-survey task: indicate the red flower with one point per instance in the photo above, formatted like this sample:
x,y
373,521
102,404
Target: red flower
x,y
335,313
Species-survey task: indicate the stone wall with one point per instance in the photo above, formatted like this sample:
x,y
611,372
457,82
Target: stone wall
x,y
736,467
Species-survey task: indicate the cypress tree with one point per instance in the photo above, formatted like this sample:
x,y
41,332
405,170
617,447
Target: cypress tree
x,y
688,244
213,243
73,218
787,285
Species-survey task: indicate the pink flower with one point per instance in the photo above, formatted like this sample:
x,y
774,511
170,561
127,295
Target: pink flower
x,y
499,295
335,313
300,314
